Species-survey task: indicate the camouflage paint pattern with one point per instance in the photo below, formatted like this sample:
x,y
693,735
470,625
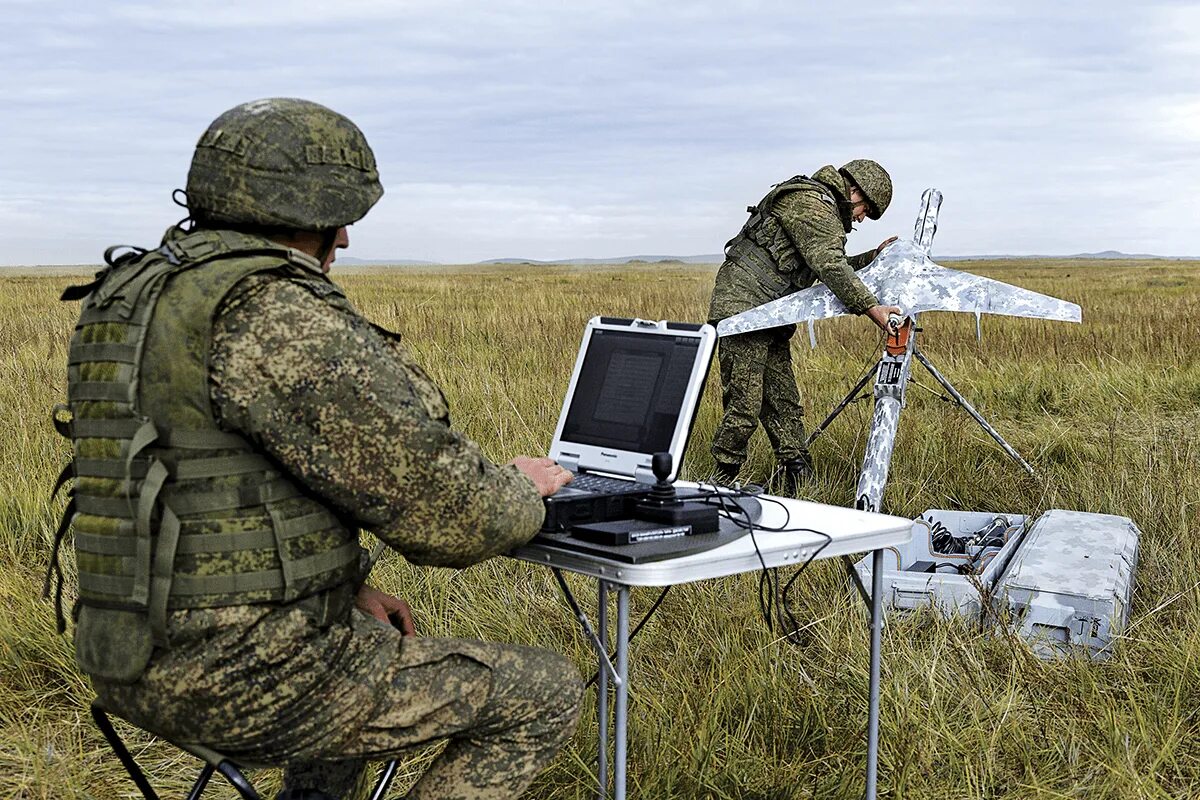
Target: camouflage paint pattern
x,y
343,408
927,217
812,223
758,385
802,239
268,686
283,163
1069,586
903,275
891,383
874,181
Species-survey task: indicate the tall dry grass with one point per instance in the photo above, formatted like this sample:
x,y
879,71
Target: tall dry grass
x,y
1106,411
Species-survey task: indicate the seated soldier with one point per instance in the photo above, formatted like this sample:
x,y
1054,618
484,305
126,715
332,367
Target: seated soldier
x,y
235,422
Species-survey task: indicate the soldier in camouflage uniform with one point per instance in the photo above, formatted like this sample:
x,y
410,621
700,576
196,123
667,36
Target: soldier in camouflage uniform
x,y
235,422
795,236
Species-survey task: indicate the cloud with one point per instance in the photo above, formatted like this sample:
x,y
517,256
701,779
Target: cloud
x,y
604,128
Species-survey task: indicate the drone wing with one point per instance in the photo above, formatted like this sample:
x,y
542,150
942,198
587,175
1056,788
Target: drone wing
x,y
903,275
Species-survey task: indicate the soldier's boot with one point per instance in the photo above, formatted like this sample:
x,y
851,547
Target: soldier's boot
x,y
726,474
794,473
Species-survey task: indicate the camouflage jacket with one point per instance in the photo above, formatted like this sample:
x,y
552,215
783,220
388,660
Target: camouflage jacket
x,y
814,226
342,405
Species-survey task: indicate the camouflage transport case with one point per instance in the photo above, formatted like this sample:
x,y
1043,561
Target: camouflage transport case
x,y
966,551
1070,582
1064,582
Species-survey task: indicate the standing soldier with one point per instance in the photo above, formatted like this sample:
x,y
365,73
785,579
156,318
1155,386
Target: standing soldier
x,y
235,422
795,236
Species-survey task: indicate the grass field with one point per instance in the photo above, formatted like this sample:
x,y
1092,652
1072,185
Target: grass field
x,y
1108,412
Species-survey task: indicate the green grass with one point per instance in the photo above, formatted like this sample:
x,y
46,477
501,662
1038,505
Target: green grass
x,y
1107,412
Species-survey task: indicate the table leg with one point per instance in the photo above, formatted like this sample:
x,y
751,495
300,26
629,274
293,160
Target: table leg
x,y
873,707
622,704
602,689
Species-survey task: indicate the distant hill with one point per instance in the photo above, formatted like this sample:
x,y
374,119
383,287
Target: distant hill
x,y
717,258
1101,256
393,262
708,258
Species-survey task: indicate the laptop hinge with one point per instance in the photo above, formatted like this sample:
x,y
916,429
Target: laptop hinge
x,y
643,474
569,461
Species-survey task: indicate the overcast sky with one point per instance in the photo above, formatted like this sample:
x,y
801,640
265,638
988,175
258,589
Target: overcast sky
x,y
601,129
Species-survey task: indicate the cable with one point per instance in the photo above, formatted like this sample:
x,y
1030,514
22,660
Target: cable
x,y
740,517
769,594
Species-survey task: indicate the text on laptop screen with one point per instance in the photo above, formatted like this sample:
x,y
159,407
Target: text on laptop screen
x,y
630,390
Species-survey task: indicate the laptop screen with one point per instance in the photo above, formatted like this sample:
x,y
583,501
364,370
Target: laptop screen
x,y
630,390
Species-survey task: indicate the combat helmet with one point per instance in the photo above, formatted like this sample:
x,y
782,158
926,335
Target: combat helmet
x,y
873,181
282,163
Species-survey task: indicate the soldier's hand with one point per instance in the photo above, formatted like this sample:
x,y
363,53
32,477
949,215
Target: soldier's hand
x,y
879,315
385,608
884,244
545,473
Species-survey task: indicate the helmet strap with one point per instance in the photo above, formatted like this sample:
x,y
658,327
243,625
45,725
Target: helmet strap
x,y
328,240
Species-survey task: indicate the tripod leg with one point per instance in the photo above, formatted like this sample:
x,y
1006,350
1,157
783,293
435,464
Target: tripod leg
x,y
962,401
840,407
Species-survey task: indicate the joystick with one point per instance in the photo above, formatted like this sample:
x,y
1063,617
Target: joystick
x,y
662,505
663,493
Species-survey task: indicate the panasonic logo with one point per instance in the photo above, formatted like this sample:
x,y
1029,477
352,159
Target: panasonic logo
x,y
608,455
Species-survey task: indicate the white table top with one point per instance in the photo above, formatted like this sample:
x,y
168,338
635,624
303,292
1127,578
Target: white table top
x,y
851,531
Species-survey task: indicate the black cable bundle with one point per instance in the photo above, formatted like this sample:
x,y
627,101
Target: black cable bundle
x,y
768,581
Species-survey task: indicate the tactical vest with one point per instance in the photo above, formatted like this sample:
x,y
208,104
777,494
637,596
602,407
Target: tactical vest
x,y
168,510
764,247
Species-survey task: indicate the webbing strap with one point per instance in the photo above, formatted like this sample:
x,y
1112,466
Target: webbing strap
x,y
103,506
96,314
309,523
109,468
102,390
327,561
266,580
113,585
194,468
754,258
142,437
106,544
55,569
287,565
153,484
106,428
64,426
229,499
225,542
201,440
162,574
191,585
103,351
68,473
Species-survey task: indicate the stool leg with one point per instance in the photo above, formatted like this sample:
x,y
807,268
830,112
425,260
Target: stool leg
x,y
385,780
118,747
237,780
201,782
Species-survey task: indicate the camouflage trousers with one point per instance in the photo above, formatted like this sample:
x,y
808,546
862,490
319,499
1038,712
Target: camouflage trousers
x,y
758,385
266,686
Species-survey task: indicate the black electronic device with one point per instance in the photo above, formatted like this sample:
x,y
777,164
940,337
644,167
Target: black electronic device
x,y
663,506
921,566
628,531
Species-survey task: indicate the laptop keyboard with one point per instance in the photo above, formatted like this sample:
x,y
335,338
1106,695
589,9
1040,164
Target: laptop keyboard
x,y
587,482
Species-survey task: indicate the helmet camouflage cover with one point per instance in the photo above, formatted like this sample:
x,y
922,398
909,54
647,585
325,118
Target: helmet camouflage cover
x,y
873,181
283,163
